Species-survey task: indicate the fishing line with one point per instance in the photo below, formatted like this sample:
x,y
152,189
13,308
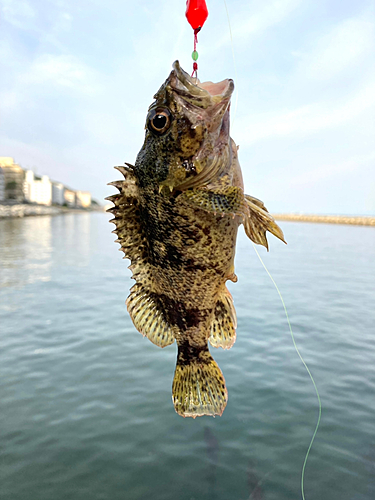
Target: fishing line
x,y
234,62
282,300
307,369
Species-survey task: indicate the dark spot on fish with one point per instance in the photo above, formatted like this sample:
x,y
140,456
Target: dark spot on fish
x,y
189,166
192,132
178,315
173,257
193,317
188,354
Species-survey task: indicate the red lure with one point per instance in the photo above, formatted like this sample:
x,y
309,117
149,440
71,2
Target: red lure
x,y
196,13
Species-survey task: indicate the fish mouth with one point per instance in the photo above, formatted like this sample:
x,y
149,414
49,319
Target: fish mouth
x,y
200,94
209,103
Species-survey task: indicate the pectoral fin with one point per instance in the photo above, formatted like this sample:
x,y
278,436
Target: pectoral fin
x,y
258,221
227,201
148,317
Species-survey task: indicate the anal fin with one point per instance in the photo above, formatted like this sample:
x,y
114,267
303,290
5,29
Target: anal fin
x,y
148,317
224,324
198,385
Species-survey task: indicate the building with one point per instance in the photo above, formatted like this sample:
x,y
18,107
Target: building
x,y
83,199
13,179
37,189
18,186
2,185
58,193
69,197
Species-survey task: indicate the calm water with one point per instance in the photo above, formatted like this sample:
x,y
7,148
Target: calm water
x,y
86,410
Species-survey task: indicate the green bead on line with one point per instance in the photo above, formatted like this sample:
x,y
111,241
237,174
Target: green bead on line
x,y
194,55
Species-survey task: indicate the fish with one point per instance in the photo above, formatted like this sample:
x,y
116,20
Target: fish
x,y
177,213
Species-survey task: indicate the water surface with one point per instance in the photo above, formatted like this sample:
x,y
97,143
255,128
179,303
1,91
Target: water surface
x,y
86,410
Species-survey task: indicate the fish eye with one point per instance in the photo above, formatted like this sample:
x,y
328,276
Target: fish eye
x,y
159,120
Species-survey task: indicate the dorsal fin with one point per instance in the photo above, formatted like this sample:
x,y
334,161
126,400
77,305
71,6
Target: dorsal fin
x,y
127,222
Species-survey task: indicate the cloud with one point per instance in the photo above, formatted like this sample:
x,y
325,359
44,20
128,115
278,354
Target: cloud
x,y
328,170
62,71
338,49
18,13
257,21
9,100
304,120
272,13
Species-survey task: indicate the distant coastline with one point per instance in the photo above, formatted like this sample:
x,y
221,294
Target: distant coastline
x,y
328,219
27,210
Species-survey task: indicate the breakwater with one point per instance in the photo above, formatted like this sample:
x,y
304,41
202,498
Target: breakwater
x,y
328,219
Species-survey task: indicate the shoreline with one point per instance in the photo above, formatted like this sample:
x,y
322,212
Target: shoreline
x,y
26,210
21,210
328,219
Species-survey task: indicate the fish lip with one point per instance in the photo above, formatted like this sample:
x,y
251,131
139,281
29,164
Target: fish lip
x,y
207,91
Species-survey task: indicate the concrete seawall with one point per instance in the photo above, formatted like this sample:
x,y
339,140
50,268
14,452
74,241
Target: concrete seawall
x,y
25,210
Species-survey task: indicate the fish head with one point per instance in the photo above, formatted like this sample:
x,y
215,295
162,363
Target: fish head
x,y
187,139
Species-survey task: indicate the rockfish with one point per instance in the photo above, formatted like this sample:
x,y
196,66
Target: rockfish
x,y
176,215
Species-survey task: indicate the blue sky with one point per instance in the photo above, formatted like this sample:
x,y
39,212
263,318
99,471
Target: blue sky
x,y
77,77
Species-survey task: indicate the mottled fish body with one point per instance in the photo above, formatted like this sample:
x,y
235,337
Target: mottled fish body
x,y
177,215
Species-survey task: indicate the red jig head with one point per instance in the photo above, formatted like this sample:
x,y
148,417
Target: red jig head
x,y
196,13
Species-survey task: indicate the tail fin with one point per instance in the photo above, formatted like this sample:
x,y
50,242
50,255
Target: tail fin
x,y
198,385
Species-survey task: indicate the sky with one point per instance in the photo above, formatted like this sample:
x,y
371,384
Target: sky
x,y
77,77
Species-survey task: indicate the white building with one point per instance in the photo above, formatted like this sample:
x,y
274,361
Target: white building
x,y
14,177
37,189
69,197
58,193
2,185
83,199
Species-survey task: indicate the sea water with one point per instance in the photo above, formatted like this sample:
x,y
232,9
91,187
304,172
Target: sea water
x,y
86,409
